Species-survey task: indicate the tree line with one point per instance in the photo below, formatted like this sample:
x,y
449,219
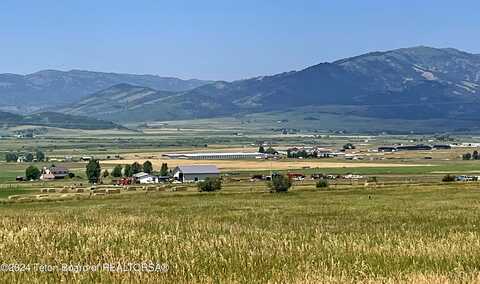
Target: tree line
x,y
94,170
38,155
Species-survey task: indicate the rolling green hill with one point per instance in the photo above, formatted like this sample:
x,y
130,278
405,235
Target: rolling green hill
x,y
53,119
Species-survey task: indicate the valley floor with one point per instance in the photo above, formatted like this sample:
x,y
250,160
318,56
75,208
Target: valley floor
x,y
401,233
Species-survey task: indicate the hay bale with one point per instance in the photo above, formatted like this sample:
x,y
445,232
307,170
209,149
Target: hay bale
x,y
14,197
78,190
99,190
40,196
151,188
64,190
112,191
51,190
131,188
98,194
43,190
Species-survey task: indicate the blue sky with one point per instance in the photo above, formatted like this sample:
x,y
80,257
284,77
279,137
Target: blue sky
x,y
226,39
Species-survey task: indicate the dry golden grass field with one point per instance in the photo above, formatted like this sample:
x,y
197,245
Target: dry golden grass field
x,y
396,234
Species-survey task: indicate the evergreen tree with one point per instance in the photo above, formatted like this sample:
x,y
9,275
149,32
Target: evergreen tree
x,y
148,167
127,171
164,169
136,168
117,171
93,171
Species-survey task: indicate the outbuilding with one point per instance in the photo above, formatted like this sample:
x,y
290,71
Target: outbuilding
x,y
195,173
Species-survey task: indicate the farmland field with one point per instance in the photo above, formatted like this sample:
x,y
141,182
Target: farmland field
x,y
398,223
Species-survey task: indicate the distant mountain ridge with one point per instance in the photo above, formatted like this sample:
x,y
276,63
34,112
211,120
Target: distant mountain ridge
x,y
52,87
408,83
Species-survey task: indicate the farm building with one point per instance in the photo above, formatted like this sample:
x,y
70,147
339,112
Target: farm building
x,y
442,147
145,178
216,156
54,173
195,172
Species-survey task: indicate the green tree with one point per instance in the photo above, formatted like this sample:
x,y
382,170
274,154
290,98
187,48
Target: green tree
x,y
475,155
322,183
32,173
348,146
105,174
117,171
93,171
279,183
148,167
467,156
136,168
261,149
40,156
271,151
210,184
11,157
29,157
127,171
164,169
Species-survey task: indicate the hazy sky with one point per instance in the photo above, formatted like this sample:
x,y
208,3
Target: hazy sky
x,y
227,39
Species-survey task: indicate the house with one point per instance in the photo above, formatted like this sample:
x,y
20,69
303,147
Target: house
x,y
145,178
54,173
195,173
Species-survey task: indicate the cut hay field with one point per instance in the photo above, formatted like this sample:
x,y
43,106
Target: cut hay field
x,y
414,234
249,165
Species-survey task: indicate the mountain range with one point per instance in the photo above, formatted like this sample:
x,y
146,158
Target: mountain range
x,y
52,87
418,83
410,83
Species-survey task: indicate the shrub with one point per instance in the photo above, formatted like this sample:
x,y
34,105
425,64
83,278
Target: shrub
x,y
448,178
322,183
279,183
210,184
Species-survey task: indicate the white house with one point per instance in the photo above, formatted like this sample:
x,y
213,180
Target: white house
x,y
145,178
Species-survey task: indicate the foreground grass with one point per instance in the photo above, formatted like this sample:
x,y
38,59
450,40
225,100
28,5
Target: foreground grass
x,y
411,234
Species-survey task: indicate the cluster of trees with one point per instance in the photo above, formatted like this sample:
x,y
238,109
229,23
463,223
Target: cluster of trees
x,y
269,150
39,156
301,154
135,168
472,156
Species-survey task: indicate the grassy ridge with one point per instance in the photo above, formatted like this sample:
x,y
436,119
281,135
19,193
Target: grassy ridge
x,y
427,233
